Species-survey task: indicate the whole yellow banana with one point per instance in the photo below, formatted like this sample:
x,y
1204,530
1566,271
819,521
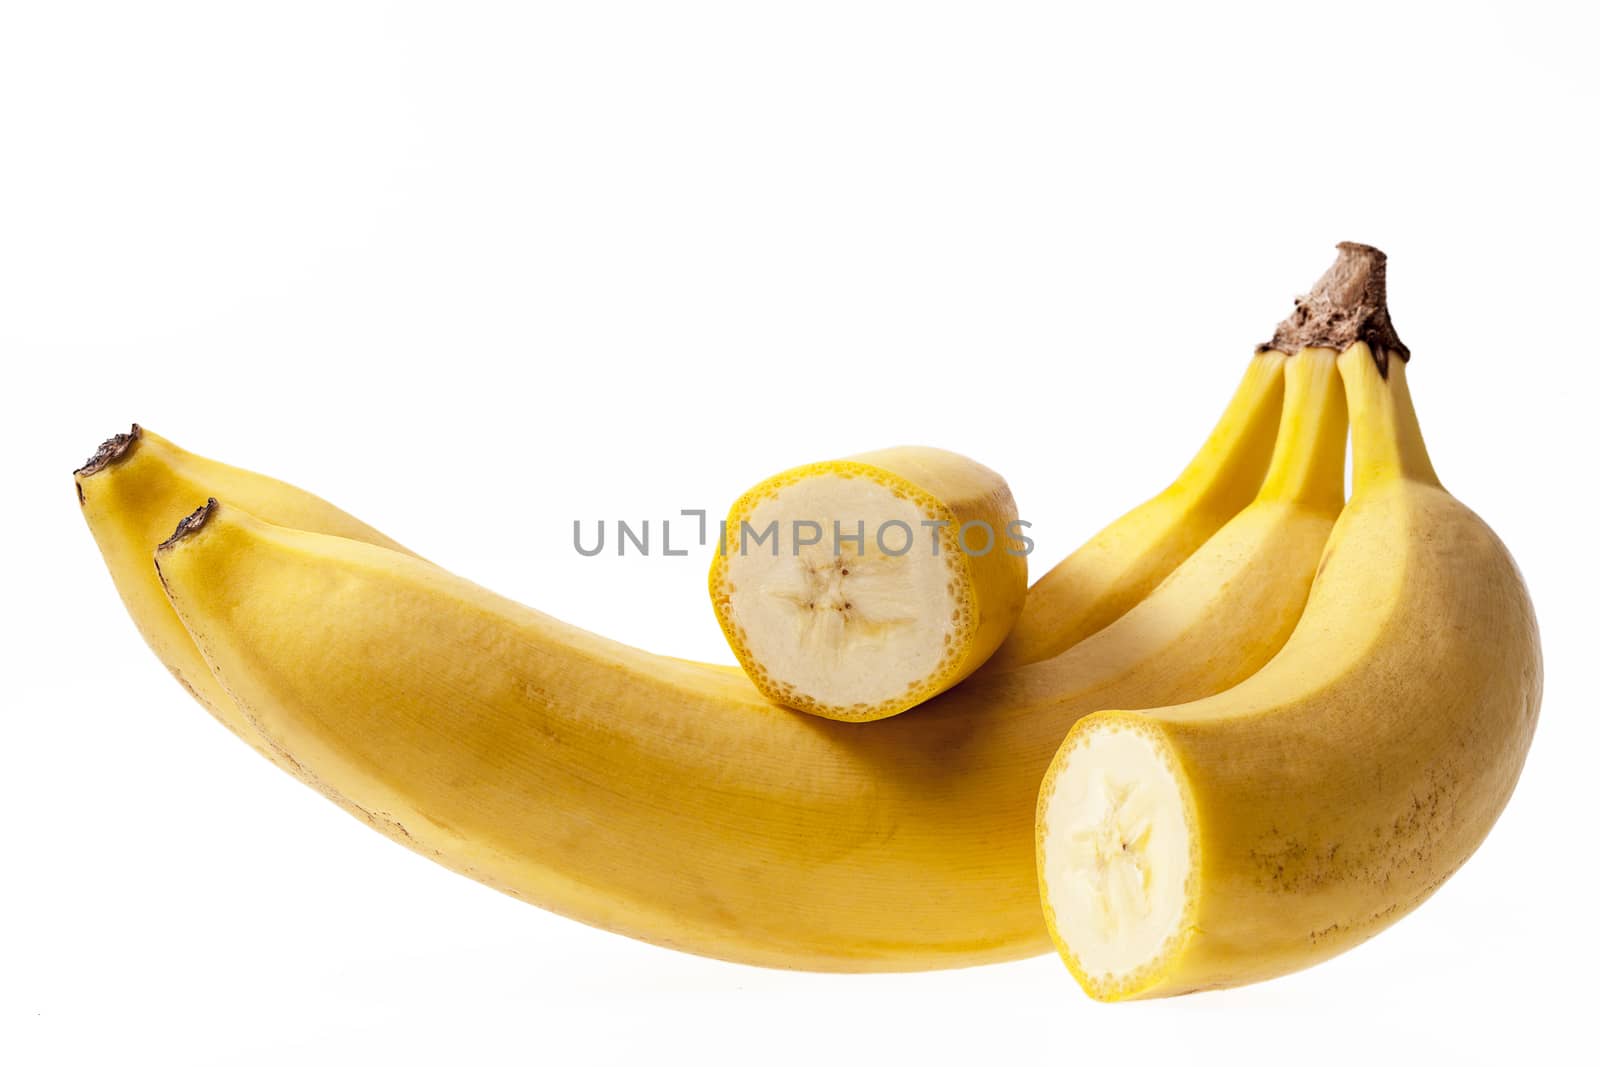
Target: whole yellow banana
x,y
1117,567
137,485
1271,826
667,800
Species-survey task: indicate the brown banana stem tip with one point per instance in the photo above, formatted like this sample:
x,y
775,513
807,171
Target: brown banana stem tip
x,y
190,523
111,450
1349,303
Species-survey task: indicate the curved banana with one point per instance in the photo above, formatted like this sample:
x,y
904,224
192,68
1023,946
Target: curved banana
x,y
137,485
1264,829
858,588
1117,567
670,802
133,489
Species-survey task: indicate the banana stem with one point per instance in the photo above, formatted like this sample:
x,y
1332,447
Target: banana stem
x,y
1348,311
1349,304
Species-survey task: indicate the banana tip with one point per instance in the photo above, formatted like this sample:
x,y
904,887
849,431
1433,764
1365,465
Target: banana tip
x,y
190,523
112,450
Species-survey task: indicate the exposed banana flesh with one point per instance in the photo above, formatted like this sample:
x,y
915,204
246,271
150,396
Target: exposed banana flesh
x,y
671,802
855,589
1120,565
1266,828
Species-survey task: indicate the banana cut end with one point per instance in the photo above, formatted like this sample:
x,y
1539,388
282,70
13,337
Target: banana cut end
x,y
1117,855
849,591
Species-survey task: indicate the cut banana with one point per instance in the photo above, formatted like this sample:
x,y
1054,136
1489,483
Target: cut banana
x,y
665,799
669,800
858,588
1325,797
1120,565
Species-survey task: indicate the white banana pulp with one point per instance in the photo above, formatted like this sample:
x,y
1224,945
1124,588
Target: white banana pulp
x,y
1116,851
846,620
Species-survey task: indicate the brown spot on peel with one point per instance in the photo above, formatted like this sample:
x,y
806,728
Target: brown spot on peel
x,y
1349,303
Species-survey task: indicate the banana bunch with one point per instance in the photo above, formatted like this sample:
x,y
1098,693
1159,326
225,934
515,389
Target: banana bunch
x,y
1238,837
1320,707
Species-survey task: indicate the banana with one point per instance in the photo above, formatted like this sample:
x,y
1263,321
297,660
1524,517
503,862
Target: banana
x,y
671,802
1118,567
131,491
137,485
1261,830
855,589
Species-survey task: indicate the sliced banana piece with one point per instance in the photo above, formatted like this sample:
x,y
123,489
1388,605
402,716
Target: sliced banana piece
x,y
857,588
1330,793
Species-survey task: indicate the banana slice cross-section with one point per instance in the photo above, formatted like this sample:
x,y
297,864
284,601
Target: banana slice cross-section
x,y
858,588
1120,853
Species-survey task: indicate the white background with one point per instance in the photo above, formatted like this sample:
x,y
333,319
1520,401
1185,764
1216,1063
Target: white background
x,y
474,271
